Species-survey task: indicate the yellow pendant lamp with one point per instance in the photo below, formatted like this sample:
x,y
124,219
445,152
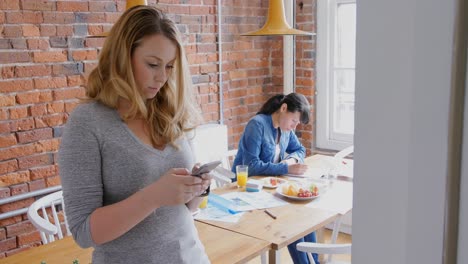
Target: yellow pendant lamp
x,y
276,23
130,4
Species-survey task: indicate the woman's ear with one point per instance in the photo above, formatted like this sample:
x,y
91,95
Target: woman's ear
x,y
284,107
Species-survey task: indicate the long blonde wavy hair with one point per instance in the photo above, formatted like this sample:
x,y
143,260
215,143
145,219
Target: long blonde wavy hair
x,y
172,112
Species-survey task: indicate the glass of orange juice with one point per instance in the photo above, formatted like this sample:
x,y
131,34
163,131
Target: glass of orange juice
x,y
242,172
204,202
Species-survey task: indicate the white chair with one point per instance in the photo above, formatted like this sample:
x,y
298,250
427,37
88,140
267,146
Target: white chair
x,y
48,229
210,143
321,248
325,248
338,159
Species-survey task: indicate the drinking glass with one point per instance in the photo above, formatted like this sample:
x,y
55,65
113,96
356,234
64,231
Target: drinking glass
x,y
242,173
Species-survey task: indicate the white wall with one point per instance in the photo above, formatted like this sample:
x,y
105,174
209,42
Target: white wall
x,y
463,221
402,101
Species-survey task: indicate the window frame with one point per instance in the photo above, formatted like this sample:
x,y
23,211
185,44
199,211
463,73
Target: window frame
x,y
326,21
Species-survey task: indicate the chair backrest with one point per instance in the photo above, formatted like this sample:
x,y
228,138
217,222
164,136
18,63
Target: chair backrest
x,y
48,228
320,248
338,159
210,143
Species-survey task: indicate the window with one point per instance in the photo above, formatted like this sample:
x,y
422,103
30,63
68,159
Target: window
x,y
336,50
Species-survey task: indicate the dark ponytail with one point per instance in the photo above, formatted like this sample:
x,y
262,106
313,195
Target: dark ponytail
x,y
295,102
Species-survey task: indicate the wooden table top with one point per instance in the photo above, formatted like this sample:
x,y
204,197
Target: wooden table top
x,y
293,221
221,246
63,251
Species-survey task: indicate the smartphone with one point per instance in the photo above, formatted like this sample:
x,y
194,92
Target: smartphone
x,y
206,168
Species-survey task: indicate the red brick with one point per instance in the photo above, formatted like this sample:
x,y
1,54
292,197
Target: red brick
x,y
22,124
55,107
2,233
34,97
50,82
4,127
49,56
15,86
24,17
7,100
18,112
8,166
72,6
81,55
50,120
7,244
20,228
75,80
4,114
42,5
69,106
34,161
49,145
104,6
33,70
37,44
94,42
65,31
31,31
14,178
19,189
200,10
38,110
70,93
48,30
17,151
9,5
58,18
34,135
43,172
11,220
14,57
28,238
53,181
12,31
4,192
37,185
7,72
7,140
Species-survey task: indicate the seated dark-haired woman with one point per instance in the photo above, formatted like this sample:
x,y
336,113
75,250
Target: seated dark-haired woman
x,y
269,146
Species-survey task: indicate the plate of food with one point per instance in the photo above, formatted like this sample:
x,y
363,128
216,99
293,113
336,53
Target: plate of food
x,y
272,182
299,191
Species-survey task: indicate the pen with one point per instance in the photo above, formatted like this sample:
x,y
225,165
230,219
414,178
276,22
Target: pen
x,y
270,214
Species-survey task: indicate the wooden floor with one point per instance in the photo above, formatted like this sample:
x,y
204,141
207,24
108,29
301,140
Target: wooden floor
x,y
286,259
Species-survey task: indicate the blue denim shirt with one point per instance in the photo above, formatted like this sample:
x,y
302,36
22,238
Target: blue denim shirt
x,y
257,147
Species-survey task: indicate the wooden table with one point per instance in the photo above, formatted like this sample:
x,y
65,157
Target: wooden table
x,y
63,251
293,222
221,246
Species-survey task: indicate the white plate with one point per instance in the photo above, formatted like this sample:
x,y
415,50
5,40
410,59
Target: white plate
x,y
267,184
280,192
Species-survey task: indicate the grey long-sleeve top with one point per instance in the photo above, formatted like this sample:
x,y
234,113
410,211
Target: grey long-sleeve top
x,y
102,162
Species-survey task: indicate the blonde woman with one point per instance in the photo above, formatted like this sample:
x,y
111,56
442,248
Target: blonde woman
x,y
124,159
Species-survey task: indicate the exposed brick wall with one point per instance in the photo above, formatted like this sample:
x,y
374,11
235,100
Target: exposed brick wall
x,y
45,55
305,67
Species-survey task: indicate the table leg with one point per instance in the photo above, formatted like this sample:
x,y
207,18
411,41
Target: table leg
x,y
274,256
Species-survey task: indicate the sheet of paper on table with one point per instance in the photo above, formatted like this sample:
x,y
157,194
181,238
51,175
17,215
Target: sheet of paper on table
x,y
311,172
214,213
246,201
338,198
